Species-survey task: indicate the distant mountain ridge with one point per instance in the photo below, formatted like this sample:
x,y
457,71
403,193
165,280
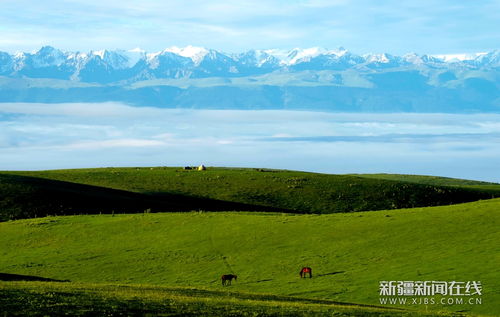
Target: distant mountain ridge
x,y
313,78
107,66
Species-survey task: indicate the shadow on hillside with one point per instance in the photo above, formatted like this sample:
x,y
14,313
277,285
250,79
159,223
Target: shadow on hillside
x,y
51,198
331,273
259,281
18,277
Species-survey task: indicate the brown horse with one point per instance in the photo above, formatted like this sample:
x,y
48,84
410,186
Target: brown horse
x,y
227,278
304,272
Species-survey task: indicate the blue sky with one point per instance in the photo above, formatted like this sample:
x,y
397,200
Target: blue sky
x,y
362,26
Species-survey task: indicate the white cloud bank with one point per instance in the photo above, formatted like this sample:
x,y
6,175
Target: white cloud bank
x,y
50,136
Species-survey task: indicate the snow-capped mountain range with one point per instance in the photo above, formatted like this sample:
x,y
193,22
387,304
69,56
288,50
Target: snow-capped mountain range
x,y
312,78
107,66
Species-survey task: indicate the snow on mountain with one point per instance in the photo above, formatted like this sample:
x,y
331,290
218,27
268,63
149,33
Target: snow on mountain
x,y
19,60
414,58
458,57
45,57
101,53
311,78
191,61
6,63
114,59
48,56
256,58
491,58
383,58
215,63
196,54
167,59
134,56
299,55
339,59
280,55
482,59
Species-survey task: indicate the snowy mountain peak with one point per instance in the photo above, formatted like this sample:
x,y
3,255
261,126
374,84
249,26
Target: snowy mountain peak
x,y
191,61
115,59
48,50
133,56
48,56
490,58
459,57
383,58
301,55
257,58
414,58
102,53
196,54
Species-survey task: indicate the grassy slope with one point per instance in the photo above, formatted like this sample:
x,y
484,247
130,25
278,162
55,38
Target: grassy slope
x,y
76,299
350,253
31,197
436,180
291,190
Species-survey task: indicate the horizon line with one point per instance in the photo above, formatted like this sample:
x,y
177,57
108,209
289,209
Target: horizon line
x,y
174,48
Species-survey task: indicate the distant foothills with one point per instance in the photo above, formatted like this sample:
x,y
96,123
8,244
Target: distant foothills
x,y
299,79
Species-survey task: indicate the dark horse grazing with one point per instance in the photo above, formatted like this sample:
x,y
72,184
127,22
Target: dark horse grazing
x,y
304,271
227,278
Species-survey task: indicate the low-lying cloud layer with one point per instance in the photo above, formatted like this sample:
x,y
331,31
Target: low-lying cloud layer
x,y
49,136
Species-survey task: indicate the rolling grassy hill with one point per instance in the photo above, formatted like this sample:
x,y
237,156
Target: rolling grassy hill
x,y
436,181
31,197
118,190
349,253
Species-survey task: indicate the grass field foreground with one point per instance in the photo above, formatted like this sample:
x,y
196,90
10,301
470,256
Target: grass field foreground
x,y
77,299
349,253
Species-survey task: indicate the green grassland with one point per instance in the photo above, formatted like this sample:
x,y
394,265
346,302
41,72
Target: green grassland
x,y
349,253
31,197
436,180
117,190
170,263
77,299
